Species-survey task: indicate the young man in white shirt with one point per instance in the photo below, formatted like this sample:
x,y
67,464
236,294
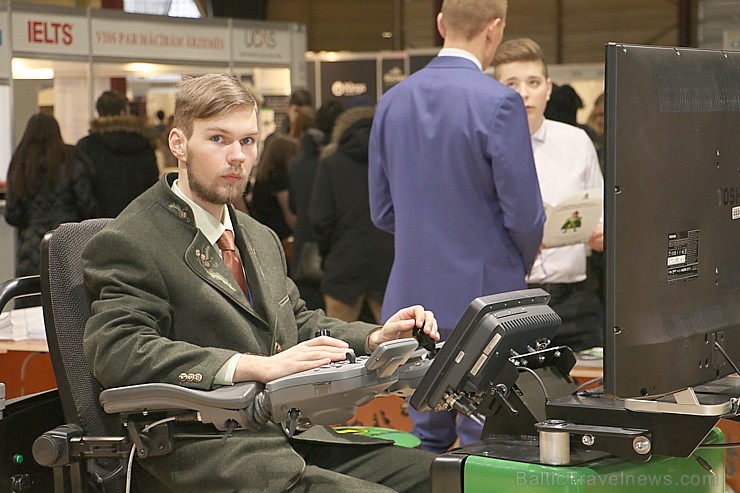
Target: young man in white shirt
x,y
566,163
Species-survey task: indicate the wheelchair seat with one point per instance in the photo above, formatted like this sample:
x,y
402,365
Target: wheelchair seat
x,y
94,448
66,306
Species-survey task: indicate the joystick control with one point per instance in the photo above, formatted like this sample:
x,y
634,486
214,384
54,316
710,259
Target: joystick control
x,y
350,354
423,339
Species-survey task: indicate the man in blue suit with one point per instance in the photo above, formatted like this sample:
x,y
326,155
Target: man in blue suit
x,y
451,174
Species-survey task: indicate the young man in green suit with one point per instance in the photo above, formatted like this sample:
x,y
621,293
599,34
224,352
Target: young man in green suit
x,y
167,309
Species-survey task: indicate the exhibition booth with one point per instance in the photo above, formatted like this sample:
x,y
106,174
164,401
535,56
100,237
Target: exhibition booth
x,y
347,76
672,327
60,59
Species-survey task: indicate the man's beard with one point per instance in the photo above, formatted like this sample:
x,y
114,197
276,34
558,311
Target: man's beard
x,y
211,193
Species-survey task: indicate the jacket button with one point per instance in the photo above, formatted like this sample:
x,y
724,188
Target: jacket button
x,y
197,377
183,377
278,347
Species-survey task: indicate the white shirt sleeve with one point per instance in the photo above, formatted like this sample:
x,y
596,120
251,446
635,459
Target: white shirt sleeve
x,y
225,375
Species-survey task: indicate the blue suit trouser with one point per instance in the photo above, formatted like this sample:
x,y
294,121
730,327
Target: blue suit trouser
x,y
438,430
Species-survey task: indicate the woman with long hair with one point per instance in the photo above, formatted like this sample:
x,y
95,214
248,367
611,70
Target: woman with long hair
x,y
48,184
270,190
304,120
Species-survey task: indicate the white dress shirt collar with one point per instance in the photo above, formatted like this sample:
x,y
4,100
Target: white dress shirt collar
x,y
211,227
462,54
540,135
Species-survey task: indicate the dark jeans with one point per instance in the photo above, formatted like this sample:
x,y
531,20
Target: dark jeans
x,y
260,462
332,468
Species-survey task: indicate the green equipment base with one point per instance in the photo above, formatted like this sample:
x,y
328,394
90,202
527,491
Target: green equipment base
x,y
476,469
399,438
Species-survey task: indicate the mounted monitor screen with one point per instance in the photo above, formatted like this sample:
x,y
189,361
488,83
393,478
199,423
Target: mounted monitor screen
x,y
493,329
672,218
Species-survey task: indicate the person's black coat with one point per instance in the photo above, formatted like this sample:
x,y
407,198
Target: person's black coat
x,y
357,255
302,175
121,149
69,200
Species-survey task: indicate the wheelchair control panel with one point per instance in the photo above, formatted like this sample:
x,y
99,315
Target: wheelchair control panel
x,y
331,394
327,395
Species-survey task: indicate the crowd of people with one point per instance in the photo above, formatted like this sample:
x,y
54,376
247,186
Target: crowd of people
x,y
346,263
311,188
397,215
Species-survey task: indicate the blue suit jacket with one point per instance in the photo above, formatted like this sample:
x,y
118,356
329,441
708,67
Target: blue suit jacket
x,y
452,175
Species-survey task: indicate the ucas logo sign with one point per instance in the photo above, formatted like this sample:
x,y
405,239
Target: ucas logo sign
x,y
258,38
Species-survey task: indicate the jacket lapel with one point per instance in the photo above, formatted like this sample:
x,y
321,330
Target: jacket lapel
x,y
253,268
203,258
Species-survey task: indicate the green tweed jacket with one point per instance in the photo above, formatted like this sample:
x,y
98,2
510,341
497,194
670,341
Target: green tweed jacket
x,y
166,309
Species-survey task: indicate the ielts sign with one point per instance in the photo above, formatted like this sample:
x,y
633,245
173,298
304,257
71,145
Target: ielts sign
x,y
50,33
44,32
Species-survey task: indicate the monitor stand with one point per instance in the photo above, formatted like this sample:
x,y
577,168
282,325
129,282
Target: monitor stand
x,y
684,402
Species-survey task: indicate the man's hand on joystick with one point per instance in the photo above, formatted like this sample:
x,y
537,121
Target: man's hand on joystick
x,y
423,339
349,355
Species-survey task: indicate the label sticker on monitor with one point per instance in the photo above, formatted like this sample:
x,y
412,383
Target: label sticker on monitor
x,y
683,256
736,212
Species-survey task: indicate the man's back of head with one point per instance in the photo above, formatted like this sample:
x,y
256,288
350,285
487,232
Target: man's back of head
x,y
467,18
111,103
300,100
300,97
327,115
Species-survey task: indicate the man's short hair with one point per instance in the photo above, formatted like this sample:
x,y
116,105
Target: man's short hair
x,y
327,115
300,97
468,18
111,103
519,50
208,96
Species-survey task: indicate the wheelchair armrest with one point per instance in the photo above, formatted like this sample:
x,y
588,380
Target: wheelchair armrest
x,y
225,408
218,407
17,287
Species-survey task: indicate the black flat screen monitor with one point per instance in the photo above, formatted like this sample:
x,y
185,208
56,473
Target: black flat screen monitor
x,y
672,222
493,329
